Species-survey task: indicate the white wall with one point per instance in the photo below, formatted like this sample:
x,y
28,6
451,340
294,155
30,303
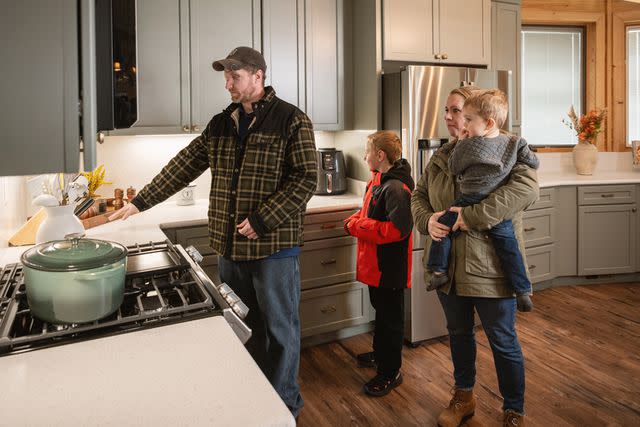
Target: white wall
x,y
13,212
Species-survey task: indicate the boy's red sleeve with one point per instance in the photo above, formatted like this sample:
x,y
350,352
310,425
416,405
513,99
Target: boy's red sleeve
x,y
378,232
348,223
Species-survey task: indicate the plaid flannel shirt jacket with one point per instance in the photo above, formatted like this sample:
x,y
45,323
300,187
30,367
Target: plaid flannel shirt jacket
x,y
269,177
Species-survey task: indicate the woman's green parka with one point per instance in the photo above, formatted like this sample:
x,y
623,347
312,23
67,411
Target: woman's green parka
x,y
474,264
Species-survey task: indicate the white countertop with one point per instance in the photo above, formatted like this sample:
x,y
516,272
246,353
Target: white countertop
x,y
195,373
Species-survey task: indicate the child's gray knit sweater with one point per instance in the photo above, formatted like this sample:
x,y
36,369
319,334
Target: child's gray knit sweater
x,y
483,164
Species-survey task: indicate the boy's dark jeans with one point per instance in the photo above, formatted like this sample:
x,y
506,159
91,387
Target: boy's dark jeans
x,y
504,242
389,329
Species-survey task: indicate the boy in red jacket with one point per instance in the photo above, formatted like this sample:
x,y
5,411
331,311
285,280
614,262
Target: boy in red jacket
x,y
383,228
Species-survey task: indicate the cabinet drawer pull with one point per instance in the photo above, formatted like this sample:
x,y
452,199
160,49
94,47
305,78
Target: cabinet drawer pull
x,y
532,266
328,261
185,128
328,226
607,195
529,229
328,309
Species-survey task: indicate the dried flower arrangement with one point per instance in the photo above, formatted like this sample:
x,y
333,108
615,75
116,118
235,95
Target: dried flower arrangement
x,y
588,125
96,180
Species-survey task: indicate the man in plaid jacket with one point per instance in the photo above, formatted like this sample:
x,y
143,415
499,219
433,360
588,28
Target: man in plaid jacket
x,y
261,154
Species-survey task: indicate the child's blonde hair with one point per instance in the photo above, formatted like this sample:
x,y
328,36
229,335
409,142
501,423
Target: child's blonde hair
x,y
387,141
489,104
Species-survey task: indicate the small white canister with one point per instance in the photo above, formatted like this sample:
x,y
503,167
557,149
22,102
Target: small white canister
x,y
186,196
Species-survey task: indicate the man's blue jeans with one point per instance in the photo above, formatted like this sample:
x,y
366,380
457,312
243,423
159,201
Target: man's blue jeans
x,y
498,320
271,289
504,242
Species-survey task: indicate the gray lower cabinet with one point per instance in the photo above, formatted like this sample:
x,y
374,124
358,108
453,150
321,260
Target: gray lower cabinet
x,y
178,90
539,227
607,229
331,298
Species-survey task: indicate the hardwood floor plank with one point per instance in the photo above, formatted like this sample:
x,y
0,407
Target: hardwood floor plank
x,y
582,358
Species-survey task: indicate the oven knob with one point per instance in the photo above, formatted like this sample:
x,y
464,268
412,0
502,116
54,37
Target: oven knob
x,y
237,305
240,309
194,254
224,290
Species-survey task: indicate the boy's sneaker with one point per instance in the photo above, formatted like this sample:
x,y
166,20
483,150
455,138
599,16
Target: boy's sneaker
x,y
381,385
437,280
524,303
367,360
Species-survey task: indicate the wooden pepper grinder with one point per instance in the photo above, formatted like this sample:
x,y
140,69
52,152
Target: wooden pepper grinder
x,y
131,193
118,203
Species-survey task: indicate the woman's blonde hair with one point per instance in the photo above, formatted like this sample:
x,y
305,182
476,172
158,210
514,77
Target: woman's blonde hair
x,y
387,141
464,91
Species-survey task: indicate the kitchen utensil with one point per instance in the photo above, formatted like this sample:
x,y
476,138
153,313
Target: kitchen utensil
x,y
59,222
26,235
83,206
75,280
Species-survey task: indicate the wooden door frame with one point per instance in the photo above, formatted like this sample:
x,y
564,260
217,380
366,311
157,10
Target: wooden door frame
x,y
620,20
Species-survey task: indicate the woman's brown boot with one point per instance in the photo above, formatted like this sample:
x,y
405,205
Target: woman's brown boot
x,y
461,407
513,418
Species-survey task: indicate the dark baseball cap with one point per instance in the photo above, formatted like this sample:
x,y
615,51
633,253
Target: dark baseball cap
x,y
239,58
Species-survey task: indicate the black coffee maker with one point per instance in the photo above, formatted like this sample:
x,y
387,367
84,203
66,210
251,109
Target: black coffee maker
x,y
332,177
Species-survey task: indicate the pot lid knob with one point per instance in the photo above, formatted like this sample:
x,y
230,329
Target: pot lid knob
x,y
74,237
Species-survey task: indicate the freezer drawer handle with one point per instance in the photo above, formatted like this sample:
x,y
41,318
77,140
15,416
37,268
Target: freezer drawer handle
x,y
529,229
607,195
328,261
328,309
532,266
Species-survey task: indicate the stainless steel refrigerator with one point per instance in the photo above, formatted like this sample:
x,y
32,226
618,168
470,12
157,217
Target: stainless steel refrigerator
x,y
413,105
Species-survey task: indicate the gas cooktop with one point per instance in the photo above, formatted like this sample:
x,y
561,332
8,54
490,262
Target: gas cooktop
x,y
164,284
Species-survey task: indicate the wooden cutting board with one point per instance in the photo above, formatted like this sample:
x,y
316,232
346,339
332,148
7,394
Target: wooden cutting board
x,y
26,235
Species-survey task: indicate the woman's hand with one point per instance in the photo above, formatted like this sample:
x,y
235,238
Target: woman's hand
x,y
436,230
459,224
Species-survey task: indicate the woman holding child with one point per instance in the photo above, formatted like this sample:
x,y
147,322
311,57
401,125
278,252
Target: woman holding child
x,y
474,278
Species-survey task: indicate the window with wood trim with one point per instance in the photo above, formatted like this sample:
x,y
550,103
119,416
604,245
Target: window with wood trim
x,y
552,80
633,84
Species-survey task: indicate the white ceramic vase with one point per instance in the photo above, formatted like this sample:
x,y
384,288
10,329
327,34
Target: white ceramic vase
x,y
59,222
585,157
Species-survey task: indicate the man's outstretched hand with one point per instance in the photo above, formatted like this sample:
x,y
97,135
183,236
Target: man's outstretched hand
x,y
124,212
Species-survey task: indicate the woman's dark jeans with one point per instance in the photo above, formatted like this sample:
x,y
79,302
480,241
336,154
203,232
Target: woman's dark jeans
x,y
504,242
498,320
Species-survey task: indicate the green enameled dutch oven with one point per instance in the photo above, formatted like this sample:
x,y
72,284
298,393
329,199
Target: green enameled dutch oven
x,y
75,280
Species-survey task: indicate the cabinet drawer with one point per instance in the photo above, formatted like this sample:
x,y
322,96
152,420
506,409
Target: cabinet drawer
x,y
328,261
606,194
546,199
325,225
538,227
332,308
540,262
196,237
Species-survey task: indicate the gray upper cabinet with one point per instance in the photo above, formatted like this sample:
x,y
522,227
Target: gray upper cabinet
x,y
40,79
283,48
407,30
324,67
506,49
160,65
437,31
217,27
179,92
303,45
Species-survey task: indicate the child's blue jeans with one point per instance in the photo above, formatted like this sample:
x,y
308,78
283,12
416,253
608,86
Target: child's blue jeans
x,y
504,242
